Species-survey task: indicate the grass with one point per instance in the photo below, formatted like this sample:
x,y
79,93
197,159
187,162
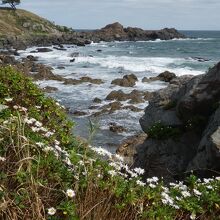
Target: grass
x,y
46,173
21,22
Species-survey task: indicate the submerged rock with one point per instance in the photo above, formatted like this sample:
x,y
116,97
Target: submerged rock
x,y
84,79
116,128
44,50
50,89
79,113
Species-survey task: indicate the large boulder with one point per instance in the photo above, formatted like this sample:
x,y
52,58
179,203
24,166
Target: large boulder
x,y
208,153
166,158
202,97
161,109
183,127
167,76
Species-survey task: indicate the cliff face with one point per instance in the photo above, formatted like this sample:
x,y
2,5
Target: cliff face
x,y
183,124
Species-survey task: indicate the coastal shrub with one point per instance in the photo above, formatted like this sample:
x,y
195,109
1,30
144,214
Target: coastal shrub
x,y
45,173
160,131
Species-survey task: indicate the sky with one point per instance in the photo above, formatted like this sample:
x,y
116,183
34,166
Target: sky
x,y
146,14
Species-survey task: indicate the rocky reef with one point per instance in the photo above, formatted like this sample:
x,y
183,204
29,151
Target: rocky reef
x,y
116,32
183,126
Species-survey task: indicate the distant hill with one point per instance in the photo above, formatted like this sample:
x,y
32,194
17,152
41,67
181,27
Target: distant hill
x,y
22,22
20,29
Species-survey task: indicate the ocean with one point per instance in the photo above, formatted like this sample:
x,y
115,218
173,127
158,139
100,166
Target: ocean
x,y
108,61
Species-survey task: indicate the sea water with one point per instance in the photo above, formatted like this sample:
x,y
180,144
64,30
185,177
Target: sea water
x,y
108,61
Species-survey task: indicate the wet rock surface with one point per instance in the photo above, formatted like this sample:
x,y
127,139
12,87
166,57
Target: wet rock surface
x,y
165,76
135,96
126,81
114,127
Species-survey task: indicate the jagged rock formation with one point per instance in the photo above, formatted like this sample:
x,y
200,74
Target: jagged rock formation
x,y
116,32
183,124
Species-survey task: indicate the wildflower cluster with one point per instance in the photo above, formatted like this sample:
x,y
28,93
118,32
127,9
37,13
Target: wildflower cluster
x,y
43,168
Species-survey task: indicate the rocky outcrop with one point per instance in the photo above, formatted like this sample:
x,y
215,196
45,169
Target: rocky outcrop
x,y
165,76
114,127
126,81
183,127
134,96
24,29
116,32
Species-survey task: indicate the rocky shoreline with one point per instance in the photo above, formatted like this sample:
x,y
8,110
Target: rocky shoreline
x,y
112,32
181,122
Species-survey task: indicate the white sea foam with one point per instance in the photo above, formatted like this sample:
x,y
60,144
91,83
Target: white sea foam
x,y
141,64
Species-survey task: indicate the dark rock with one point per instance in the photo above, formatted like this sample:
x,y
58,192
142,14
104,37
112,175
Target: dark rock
x,y
60,48
97,100
116,95
116,128
201,97
132,108
93,107
135,96
44,50
166,76
166,158
79,113
200,59
114,106
75,54
127,148
50,89
61,67
208,152
109,108
151,79
84,79
32,58
126,81
5,59
191,105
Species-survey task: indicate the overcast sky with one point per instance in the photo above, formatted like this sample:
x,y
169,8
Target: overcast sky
x,y
147,14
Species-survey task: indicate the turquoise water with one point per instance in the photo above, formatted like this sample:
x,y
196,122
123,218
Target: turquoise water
x,y
115,59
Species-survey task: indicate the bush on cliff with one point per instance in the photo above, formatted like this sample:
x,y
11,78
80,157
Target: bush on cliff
x,y
46,173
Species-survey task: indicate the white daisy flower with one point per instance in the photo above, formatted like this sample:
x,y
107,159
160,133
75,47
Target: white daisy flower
x,y
51,211
70,193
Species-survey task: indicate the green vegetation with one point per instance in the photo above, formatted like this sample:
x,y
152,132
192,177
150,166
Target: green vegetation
x,y
160,131
46,173
24,23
